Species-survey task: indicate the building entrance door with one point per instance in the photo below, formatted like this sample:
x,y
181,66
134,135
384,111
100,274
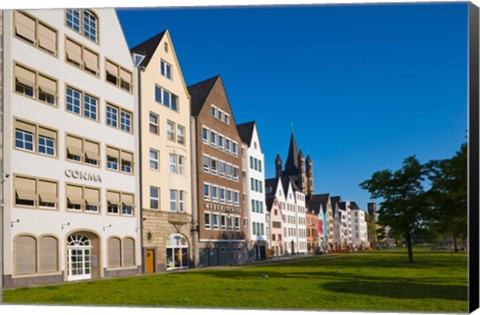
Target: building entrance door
x,y
78,257
149,261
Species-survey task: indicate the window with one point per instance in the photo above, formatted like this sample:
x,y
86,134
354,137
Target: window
x,y
127,204
32,192
83,22
154,159
214,193
222,194
166,98
236,199
154,197
35,32
116,114
229,196
118,76
235,173
213,111
80,198
173,200
25,255
207,220
165,69
206,163
223,222
220,142
24,134
234,149
153,125
74,148
181,164
181,134
229,171
113,202
213,139
181,201
227,119
81,57
214,166
112,116
33,84
126,159
227,145
82,104
170,130
126,121
237,223
47,142
221,168
215,221
173,163
92,153
204,135
112,158
123,200
206,191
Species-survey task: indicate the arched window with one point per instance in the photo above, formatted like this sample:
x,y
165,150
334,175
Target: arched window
x,y
128,252
25,255
48,253
84,22
114,252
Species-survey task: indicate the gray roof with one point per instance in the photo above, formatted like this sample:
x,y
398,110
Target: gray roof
x,y
315,201
292,164
245,131
148,47
199,93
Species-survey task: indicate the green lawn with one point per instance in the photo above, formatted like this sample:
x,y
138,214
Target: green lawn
x,y
382,281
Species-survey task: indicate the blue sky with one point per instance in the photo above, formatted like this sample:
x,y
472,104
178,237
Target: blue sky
x,y
365,86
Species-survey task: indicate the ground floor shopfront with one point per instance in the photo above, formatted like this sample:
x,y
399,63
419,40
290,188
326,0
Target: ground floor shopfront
x,y
166,241
82,254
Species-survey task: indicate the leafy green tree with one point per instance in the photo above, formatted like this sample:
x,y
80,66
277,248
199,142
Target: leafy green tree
x,y
404,203
448,195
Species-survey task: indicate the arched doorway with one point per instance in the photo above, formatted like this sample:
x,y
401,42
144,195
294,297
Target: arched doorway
x,y
177,252
79,257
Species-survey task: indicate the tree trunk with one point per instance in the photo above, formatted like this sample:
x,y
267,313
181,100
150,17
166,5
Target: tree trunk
x,y
455,243
408,238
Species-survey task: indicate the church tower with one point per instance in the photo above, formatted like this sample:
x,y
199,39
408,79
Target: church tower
x,y
278,166
309,167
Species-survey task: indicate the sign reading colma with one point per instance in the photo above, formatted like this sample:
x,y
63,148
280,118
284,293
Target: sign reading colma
x,y
83,175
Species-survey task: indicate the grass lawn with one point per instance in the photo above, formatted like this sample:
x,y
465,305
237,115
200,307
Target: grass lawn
x,y
381,280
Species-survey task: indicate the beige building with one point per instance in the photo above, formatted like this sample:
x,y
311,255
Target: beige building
x,y
165,170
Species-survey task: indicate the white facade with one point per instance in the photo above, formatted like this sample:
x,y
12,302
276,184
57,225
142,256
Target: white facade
x,y
258,226
359,228
50,199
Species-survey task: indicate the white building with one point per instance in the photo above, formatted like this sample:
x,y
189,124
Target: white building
x,y
255,184
292,203
69,161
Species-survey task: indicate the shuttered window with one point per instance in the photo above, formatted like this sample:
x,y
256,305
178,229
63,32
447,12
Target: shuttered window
x,y
114,252
82,57
48,254
25,255
129,252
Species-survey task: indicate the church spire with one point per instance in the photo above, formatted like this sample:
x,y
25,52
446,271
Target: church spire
x,y
291,166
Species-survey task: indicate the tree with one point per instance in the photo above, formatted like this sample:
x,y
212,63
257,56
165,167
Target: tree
x,y
448,195
404,202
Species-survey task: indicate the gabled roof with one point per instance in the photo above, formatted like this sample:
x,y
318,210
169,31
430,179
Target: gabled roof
x,y
148,47
269,202
292,166
199,93
271,184
245,131
315,201
334,200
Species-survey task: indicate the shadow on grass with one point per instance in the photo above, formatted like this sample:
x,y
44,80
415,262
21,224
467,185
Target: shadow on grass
x,y
400,290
